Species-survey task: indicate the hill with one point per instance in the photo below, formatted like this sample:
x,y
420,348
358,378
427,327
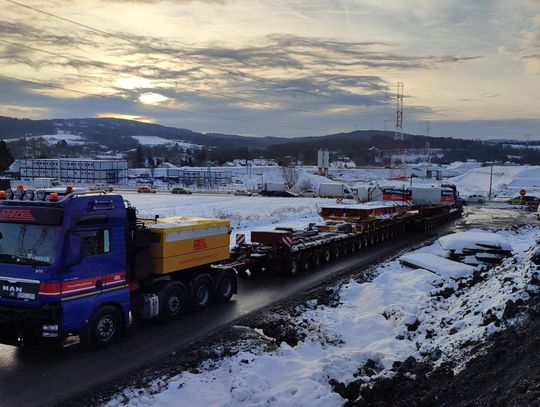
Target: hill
x,y
361,145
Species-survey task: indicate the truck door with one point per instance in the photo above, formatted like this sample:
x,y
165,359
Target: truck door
x,y
88,259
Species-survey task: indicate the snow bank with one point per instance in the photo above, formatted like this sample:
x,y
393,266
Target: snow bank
x,y
401,313
474,240
507,180
443,267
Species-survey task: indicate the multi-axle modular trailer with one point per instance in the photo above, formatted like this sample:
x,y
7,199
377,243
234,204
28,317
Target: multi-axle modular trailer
x,y
347,229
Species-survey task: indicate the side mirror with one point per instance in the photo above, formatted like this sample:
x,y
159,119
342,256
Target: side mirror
x,y
74,249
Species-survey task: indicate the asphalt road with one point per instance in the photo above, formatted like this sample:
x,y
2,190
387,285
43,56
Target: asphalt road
x,y
30,379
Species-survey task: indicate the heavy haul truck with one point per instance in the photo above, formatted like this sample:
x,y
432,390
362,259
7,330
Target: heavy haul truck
x,y
79,265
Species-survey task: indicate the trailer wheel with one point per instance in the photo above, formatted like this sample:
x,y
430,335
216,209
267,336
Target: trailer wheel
x,y
102,329
326,255
173,302
225,286
305,263
336,251
200,293
316,259
292,267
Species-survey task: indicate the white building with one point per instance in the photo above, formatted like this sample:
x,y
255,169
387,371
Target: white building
x,y
75,170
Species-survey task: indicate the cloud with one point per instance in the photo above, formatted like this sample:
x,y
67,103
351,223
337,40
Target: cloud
x,y
144,119
169,1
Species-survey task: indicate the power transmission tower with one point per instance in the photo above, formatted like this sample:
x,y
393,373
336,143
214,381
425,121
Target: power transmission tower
x,y
398,166
428,144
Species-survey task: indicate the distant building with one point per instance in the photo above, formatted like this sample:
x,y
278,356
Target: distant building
x,y
201,177
74,170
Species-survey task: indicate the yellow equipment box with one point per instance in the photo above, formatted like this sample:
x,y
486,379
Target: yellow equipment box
x,y
181,243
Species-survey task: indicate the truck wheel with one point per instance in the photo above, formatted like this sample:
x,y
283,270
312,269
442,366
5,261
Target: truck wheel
x,y
200,293
102,329
173,302
225,286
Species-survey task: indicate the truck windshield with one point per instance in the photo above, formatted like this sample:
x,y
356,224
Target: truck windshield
x,y
28,244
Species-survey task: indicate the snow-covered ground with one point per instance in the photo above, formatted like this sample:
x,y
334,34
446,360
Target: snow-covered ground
x,y
402,312
159,141
71,139
507,180
246,213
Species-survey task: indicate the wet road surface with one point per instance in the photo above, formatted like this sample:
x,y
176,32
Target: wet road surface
x,y
35,379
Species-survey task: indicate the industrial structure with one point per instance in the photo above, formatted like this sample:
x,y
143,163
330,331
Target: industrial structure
x,y
204,178
323,162
398,165
74,170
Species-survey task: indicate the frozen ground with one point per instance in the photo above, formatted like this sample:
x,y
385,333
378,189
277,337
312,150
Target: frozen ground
x,y
361,339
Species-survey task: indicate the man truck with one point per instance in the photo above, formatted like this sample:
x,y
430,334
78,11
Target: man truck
x,y
77,265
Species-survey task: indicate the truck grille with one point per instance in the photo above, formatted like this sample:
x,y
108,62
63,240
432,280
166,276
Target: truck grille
x,y
18,289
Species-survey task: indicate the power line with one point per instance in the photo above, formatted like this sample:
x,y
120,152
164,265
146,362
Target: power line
x,y
163,51
49,85
119,70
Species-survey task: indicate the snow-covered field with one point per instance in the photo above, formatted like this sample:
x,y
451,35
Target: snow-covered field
x,y
403,312
246,213
159,141
71,139
507,180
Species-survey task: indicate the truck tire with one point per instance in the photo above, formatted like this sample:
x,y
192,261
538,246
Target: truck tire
x,y
327,255
317,258
173,301
336,252
292,267
200,292
305,263
225,286
102,329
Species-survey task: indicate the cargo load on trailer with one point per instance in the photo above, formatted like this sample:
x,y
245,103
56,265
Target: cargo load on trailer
x,y
180,243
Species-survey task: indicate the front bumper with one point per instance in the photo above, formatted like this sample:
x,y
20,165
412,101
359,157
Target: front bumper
x,y
31,324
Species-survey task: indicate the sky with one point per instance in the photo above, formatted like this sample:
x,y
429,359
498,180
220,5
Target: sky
x,y
277,68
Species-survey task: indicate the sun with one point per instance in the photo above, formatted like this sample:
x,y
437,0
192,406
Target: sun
x,y
151,98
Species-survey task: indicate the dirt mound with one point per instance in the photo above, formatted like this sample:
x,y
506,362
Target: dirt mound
x,y
506,372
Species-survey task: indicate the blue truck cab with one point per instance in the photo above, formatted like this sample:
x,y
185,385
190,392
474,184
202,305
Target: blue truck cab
x,y
61,260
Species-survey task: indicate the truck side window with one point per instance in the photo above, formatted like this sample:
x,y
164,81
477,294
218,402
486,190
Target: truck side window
x,y
95,242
